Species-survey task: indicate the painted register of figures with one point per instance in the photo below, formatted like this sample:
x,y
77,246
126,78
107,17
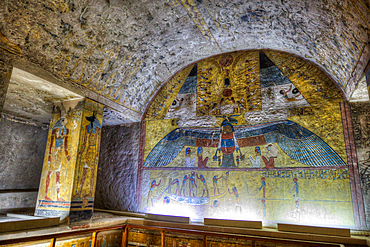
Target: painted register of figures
x,y
252,135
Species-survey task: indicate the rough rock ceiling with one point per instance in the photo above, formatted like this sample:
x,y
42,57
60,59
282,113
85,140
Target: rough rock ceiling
x,y
32,98
125,50
361,92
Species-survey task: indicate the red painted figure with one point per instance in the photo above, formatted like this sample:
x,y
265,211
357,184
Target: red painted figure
x,y
183,184
201,177
201,163
215,186
58,152
152,186
272,153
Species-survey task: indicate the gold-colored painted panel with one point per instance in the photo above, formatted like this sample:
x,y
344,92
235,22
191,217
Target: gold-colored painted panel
x,y
269,156
60,157
229,84
163,100
313,84
326,122
155,132
295,196
88,150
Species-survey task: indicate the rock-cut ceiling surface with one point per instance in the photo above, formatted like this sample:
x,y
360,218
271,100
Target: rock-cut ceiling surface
x,y
125,50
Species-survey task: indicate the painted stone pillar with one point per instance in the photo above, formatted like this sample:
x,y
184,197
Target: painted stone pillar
x,y
67,183
87,164
5,73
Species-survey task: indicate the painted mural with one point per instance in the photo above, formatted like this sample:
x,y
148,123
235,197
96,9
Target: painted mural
x,y
247,135
67,183
60,159
87,164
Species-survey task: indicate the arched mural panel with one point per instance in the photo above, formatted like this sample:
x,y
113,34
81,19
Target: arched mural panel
x,y
248,135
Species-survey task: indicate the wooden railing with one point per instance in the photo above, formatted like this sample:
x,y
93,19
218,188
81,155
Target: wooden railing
x,y
162,230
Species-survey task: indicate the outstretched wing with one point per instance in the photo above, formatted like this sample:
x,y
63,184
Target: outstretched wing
x,y
296,141
171,145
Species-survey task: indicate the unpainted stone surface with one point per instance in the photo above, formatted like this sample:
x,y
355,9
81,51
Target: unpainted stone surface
x,y
5,71
32,97
14,200
117,170
112,117
22,148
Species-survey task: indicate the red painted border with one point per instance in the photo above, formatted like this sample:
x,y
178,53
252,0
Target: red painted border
x,y
361,208
357,200
141,162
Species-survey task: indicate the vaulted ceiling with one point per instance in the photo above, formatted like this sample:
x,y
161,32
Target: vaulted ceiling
x,y
125,50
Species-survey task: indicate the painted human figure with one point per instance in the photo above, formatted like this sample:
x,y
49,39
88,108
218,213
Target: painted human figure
x,y
237,199
264,207
263,187
272,153
215,186
256,163
225,179
295,188
188,161
192,184
176,181
201,163
91,148
297,210
152,186
182,189
227,145
58,152
204,183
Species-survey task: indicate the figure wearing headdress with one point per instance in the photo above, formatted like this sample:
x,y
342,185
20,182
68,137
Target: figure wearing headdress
x,y
90,152
58,153
228,145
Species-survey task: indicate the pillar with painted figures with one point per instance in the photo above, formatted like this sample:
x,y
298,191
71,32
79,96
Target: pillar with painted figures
x,y
68,177
84,181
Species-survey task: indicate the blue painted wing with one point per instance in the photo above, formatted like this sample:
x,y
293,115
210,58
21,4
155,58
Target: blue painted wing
x,y
171,145
296,141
